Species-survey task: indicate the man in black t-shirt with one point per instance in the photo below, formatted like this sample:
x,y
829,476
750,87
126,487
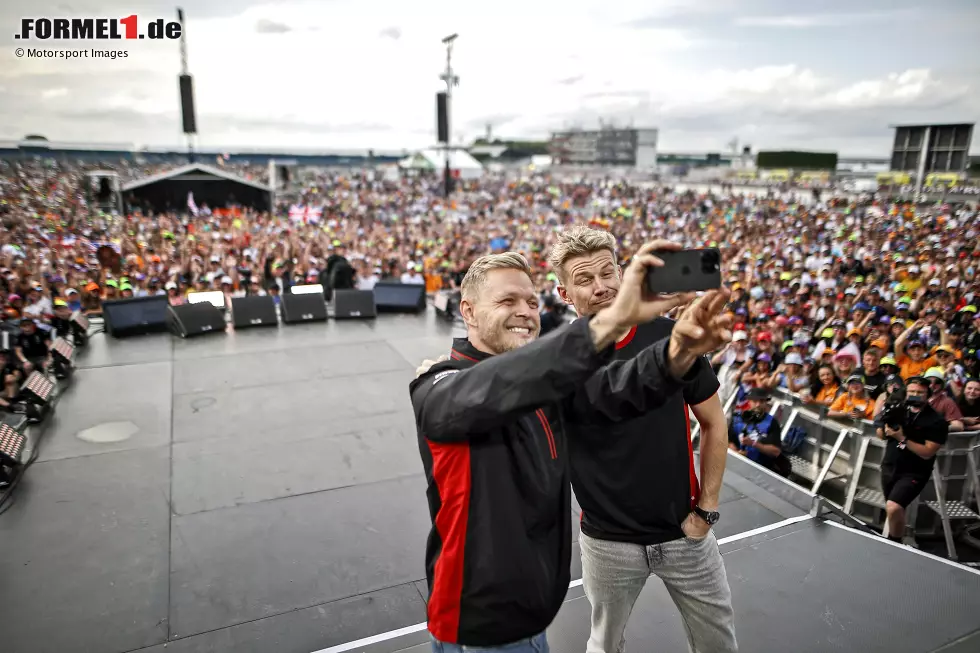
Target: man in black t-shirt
x,y
910,454
32,347
643,510
550,318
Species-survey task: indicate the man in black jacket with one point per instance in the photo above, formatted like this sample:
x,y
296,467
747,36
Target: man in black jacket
x,y
644,511
913,441
491,423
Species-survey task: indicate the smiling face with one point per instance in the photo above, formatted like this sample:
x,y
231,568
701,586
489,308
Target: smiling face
x,y
503,313
591,282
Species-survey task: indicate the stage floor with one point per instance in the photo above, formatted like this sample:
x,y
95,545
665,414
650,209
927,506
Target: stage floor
x,y
262,492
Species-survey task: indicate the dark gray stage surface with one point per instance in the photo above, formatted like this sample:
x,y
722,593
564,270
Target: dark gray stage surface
x,y
262,492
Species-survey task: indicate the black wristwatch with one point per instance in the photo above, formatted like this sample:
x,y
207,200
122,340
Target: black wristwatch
x,y
711,518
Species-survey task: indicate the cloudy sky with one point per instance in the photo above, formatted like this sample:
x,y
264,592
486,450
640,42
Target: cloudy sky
x,y
333,74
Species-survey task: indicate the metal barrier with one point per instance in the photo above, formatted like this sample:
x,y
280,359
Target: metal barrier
x,y
841,459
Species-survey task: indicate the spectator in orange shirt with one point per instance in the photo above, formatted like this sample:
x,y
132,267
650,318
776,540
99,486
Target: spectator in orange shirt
x,y
855,403
911,354
826,387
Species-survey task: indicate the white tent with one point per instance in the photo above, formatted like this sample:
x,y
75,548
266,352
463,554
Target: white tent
x,y
433,159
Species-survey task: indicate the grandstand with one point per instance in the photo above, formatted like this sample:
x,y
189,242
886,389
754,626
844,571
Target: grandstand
x,y
105,152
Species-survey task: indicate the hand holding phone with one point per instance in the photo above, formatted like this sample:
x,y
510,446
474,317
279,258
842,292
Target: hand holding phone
x,y
688,270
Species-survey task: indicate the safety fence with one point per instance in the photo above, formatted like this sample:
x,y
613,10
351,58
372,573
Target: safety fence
x,y
840,460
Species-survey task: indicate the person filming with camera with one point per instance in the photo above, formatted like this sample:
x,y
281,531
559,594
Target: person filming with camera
x,y
914,432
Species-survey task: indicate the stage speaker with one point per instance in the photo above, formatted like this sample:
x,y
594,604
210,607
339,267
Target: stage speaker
x,y
188,320
303,308
354,304
442,117
187,104
135,316
393,297
105,190
253,310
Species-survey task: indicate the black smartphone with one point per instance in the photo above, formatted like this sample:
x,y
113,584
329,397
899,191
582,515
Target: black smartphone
x,y
687,270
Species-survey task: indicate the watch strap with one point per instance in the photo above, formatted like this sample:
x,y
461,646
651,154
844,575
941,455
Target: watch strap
x,y
711,517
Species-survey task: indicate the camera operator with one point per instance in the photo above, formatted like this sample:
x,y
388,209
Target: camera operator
x,y
914,432
756,434
892,383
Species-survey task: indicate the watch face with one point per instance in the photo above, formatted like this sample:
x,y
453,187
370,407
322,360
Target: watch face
x,y
710,517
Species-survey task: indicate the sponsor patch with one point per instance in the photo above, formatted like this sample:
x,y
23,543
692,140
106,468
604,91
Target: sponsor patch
x,y
441,375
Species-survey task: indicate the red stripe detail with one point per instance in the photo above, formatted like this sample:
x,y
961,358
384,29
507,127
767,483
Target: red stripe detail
x,y
695,486
451,472
548,433
627,340
461,355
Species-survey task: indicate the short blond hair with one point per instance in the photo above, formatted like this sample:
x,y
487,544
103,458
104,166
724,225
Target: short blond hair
x,y
476,276
579,241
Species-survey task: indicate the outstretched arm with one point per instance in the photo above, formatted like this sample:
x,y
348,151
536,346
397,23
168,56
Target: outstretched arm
x,y
453,405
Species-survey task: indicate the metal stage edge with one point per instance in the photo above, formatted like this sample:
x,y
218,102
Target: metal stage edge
x,y
802,584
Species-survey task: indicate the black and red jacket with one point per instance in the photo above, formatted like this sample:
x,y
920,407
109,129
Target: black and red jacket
x,y
491,435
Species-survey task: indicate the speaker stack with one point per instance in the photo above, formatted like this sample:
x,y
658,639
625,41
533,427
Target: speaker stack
x,y
297,309
135,316
393,297
354,304
253,311
189,320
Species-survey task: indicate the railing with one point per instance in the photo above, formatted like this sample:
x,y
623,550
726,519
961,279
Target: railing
x,y
841,461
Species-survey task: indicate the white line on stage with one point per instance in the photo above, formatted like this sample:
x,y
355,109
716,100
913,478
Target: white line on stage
x,y
415,628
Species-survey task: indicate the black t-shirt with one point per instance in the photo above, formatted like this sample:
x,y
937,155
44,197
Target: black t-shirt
x,y
927,425
550,320
969,410
873,383
635,480
61,326
8,369
34,345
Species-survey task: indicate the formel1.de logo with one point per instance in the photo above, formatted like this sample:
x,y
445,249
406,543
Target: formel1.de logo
x,y
96,29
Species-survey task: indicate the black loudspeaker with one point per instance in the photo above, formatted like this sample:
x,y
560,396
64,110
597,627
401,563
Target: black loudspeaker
x,y
187,104
303,308
105,190
393,297
189,320
135,316
442,117
354,304
254,310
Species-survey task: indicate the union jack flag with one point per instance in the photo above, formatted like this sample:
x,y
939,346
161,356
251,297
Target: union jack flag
x,y
305,214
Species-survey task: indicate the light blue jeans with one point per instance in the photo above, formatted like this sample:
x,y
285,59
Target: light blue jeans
x,y
536,644
614,573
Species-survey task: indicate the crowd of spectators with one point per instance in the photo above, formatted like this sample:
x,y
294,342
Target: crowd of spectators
x,y
831,298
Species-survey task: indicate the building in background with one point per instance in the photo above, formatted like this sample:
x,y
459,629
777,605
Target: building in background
x,y
608,146
932,152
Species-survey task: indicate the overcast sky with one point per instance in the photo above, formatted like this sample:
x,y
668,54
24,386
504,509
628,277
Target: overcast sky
x,y
828,75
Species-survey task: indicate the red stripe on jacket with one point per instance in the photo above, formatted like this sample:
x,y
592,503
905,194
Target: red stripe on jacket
x,y
451,472
461,356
